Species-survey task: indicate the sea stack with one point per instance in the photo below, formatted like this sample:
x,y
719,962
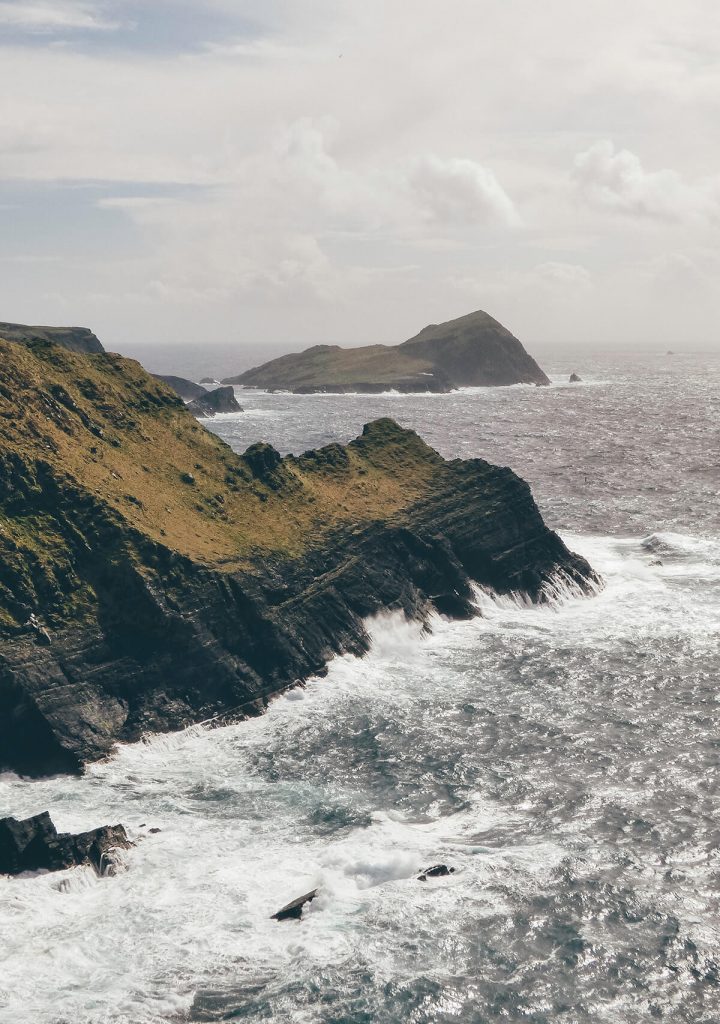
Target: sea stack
x,y
222,399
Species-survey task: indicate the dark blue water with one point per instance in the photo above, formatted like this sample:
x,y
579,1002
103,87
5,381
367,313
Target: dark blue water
x,y
563,760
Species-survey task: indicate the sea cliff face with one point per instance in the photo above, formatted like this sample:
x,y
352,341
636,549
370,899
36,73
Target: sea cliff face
x,y
151,578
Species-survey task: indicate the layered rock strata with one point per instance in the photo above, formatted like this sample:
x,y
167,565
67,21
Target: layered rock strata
x,y
151,578
34,844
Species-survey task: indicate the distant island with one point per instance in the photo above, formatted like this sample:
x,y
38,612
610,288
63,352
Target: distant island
x,y
472,351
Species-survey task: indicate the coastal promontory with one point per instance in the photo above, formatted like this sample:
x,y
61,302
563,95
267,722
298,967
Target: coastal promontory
x,y
74,339
150,577
471,351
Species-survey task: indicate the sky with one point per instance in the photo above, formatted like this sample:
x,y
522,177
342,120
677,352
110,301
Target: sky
x,y
272,174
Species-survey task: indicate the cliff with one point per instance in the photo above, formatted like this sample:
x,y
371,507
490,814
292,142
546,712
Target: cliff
x,y
188,390
150,577
74,339
474,350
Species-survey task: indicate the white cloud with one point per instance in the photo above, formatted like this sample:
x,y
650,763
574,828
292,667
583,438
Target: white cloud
x,y
616,180
461,191
356,197
51,17
563,275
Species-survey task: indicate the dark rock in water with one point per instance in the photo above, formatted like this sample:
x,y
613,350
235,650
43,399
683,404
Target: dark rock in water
x,y
188,390
293,911
74,339
575,379
34,844
212,402
154,831
436,871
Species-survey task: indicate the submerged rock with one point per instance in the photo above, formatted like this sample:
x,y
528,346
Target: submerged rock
x,y
293,910
34,844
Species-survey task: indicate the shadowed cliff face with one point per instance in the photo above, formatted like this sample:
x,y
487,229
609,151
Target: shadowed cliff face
x,y
150,577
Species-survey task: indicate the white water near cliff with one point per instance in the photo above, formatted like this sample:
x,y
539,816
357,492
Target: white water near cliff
x,y
563,759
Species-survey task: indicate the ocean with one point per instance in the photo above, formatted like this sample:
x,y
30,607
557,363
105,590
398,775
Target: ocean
x,y
564,760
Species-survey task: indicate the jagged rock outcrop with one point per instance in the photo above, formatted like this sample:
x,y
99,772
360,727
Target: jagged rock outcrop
x,y
188,390
575,378
436,871
34,844
213,402
473,350
176,580
74,339
293,910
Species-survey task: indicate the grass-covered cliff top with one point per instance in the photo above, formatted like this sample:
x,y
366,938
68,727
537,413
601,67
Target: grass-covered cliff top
x,y
332,366
103,423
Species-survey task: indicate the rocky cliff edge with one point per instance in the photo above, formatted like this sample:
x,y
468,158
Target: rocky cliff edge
x,y
151,578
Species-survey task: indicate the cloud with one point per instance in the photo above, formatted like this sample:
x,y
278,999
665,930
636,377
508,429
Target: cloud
x,y
54,16
223,163
563,275
461,191
616,180
300,221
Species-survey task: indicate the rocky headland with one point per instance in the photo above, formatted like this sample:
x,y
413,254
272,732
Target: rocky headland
x,y
150,577
74,339
202,403
473,350
219,400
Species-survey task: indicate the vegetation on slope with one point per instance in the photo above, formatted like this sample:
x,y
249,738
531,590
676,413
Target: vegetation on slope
x,y
471,350
331,366
124,446
75,339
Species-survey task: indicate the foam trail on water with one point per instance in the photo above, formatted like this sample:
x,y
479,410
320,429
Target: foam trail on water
x,y
517,747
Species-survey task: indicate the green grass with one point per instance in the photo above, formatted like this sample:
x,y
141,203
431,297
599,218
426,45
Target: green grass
x,y
104,425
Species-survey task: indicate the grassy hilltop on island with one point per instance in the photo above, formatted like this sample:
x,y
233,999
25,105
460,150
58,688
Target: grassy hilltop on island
x,y
474,350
